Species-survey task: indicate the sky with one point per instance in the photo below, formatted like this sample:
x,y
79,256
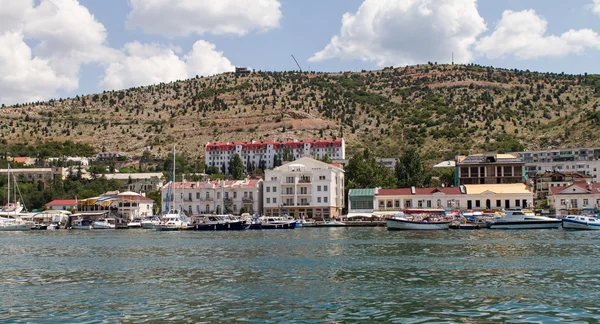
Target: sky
x,y
63,48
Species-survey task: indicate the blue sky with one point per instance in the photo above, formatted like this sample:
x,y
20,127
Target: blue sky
x,y
60,48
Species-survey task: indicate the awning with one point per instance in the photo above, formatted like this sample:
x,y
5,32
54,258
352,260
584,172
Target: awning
x,y
352,215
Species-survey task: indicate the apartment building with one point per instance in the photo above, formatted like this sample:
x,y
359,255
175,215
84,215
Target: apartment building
x,y
489,168
304,188
214,197
219,154
544,182
36,174
139,182
575,198
583,160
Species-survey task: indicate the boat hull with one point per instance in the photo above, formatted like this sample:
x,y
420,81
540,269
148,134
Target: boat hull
x,y
401,224
231,226
148,226
167,228
102,226
580,225
15,228
266,226
535,224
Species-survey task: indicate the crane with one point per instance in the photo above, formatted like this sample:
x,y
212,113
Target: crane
x,y
297,63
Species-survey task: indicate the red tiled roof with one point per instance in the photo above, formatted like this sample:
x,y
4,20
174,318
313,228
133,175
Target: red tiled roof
x,y
66,202
140,198
262,145
595,187
418,191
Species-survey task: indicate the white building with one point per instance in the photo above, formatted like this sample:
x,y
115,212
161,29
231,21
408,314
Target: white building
x,y
574,198
36,174
304,188
210,197
127,205
65,204
584,160
219,154
139,182
466,197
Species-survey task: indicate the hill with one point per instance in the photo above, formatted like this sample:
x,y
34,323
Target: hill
x,y
442,109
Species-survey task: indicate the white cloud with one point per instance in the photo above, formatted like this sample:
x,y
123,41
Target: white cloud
x,y
523,34
392,32
184,17
66,35
23,77
596,7
146,64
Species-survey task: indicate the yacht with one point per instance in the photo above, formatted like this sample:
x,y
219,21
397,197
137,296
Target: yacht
x,y
150,223
517,219
14,224
106,223
81,224
173,220
218,223
582,222
135,223
273,223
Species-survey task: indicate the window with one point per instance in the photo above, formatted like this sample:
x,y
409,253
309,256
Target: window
x,y
498,203
324,188
274,189
428,203
303,190
324,199
235,194
273,178
198,195
322,177
207,195
397,203
318,188
517,203
420,203
289,180
318,199
268,200
585,202
218,195
478,203
563,202
268,189
274,200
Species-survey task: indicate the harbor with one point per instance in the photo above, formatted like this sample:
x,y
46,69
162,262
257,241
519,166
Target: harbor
x,y
316,274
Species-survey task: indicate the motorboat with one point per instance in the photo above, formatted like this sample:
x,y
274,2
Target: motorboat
x,y
517,219
417,222
173,220
306,223
331,223
12,225
150,223
135,223
105,223
218,223
273,223
81,224
581,222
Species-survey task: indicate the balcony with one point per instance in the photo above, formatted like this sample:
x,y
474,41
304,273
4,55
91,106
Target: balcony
x,y
303,204
305,181
247,199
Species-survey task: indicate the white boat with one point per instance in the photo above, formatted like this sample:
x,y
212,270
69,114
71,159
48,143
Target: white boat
x,y
150,223
517,219
106,223
81,224
10,214
331,223
582,222
407,223
135,223
173,220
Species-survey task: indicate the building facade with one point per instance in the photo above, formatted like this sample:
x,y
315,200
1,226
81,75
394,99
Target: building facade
x,y
489,168
305,188
68,204
214,197
583,160
360,202
139,182
126,205
219,154
575,198
467,197
37,174
544,182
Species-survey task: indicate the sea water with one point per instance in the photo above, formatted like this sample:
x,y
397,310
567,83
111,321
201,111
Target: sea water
x,y
304,275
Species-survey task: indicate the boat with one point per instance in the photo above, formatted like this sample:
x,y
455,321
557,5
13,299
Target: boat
x,y
135,223
173,220
273,223
105,223
517,219
331,223
218,223
581,222
304,222
81,224
10,214
419,219
150,223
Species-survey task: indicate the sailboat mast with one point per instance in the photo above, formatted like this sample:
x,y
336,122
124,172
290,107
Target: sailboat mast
x,y
173,181
8,197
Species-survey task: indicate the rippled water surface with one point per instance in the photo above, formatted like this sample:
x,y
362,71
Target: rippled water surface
x,y
303,275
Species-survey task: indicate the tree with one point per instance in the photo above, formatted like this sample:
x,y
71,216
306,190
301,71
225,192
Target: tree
x,y
287,154
276,161
325,159
363,171
236,167
409,170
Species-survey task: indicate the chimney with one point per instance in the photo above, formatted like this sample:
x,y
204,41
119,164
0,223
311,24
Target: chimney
x,y
412,190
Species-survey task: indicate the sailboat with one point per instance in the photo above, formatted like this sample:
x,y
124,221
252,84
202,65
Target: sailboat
x,y
10,217
172,219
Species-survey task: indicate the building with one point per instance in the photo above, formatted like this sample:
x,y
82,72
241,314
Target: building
x,y
305,188
489,168
219,154
26,161
390,163
575,198
466,197
241,70
543,182
360,202
103,156
126,205
139,182
214,197
37,174
583,160
69,204
68,161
